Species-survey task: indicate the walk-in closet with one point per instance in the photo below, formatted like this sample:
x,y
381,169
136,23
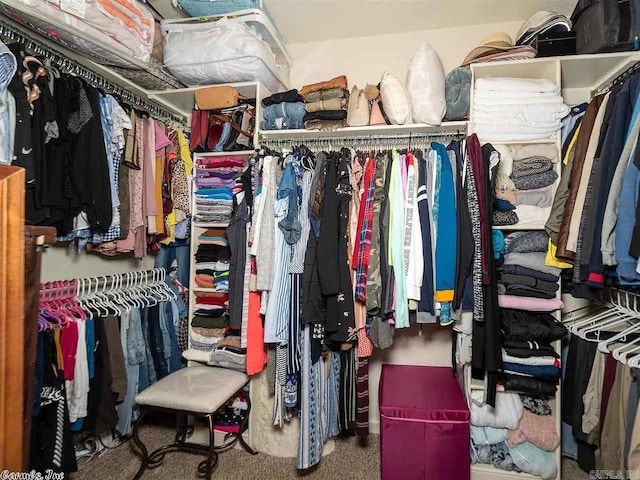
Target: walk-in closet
x,y
277,239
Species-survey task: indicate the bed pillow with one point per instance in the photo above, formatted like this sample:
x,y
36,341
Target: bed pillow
x,y
425,82
395,100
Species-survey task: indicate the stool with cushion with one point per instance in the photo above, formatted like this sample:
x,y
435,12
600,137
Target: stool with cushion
x,y
194,391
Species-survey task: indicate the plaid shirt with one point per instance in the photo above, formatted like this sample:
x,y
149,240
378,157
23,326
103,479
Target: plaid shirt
x,y
363,249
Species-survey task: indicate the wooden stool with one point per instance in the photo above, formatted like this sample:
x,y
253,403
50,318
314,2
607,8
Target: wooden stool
x,y
193,391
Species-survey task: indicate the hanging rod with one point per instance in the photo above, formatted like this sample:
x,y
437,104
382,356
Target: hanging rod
x,y
57,289
10,33
621,78
359,140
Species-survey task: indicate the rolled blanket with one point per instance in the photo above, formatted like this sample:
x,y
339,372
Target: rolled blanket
x,y
331,104
294,111
288,96
530,166
520,85
537,180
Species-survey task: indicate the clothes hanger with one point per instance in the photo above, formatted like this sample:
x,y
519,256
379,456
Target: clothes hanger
x,y
634,314
620,314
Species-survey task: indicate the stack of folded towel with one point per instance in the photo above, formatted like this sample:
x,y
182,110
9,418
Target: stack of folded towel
x,y
283,111
326,104
525,181
210,322
512,109
517,436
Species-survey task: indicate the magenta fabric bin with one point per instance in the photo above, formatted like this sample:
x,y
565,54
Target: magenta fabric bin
x,y
424,424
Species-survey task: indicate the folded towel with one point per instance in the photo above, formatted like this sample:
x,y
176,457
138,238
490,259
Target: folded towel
x,y
508,84
530,166
537,180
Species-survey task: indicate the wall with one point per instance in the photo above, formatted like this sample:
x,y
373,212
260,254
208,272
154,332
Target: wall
x,y
58,263
364,60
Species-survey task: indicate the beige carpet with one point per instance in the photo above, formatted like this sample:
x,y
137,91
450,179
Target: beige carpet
x,y
361,463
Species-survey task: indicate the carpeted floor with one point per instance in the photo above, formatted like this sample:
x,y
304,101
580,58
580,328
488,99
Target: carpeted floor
x,y
361,463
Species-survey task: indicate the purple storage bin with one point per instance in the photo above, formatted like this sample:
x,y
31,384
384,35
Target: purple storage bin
x,y
424,424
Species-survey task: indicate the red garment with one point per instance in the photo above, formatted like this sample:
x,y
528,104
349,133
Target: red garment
x,y
218,302
220,162
369,170
69,346
199,126
203,280
256,353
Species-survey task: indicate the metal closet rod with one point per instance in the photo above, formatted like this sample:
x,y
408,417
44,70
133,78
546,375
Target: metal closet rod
x,y
367,140
12,34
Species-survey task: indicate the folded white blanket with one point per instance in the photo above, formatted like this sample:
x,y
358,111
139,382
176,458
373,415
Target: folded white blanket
x,y
517,121
509,84
506,414
516,94
509,100
486,135
559,109
506,128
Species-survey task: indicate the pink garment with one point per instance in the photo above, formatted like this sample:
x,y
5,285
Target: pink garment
x,y
161,140
540,430
148,167
530,303
216,162
69,346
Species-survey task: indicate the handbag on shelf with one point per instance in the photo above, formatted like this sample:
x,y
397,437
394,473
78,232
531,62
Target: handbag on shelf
x,y
235,120
217,98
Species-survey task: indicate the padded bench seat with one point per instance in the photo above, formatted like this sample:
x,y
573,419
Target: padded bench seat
x,y
197,391
193,389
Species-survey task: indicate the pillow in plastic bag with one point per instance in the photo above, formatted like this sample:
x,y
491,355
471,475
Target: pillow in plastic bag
x,y
425,82
395,99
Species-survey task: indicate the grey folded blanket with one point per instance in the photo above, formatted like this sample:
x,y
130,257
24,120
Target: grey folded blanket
x,y
530,166
537,180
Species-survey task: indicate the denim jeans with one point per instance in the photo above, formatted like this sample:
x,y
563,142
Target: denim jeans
x,y
156,343
147,369
175,361
125,409
136,347
177,252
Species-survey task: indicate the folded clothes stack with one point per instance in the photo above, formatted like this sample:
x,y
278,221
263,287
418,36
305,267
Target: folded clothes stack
x,y
212,261
517,436
525,181
326,104
513,109
229,354
214,205
525,282
210,323
530,363
283,111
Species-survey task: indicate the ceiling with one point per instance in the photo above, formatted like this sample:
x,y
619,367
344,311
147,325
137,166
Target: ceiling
x,y
300,21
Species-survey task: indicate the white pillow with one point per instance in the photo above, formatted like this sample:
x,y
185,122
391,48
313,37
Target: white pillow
x,y
425,82
506,414
395,100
